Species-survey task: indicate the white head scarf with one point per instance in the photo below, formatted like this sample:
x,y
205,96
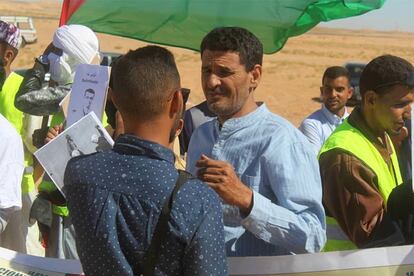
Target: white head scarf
x,y
79,45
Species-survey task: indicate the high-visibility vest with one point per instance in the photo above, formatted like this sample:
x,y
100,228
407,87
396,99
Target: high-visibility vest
x,y
48,187
351,140
7,94
15,117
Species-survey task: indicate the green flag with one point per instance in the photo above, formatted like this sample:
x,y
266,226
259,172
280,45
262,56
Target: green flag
x,y
184,23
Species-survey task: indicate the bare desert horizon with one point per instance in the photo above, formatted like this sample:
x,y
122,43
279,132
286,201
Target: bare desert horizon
x,y
291,77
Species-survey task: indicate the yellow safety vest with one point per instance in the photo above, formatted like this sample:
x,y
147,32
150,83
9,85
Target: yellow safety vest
x,y
350,139
15,117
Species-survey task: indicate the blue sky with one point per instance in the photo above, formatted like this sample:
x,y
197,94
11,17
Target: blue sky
x,y
395,15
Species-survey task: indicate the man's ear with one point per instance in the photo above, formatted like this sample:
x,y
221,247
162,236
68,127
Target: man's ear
x,y
256,74
350,92
179,127
111,97
176,105
110,94
8,57
370,98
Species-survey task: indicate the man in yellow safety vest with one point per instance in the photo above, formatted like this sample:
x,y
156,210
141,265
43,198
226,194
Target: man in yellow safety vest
x,y
358,163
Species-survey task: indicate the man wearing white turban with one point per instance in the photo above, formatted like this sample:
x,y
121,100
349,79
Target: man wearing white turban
x,y
72,45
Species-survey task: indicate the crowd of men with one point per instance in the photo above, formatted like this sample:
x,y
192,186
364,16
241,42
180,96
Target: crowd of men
x,y
254,184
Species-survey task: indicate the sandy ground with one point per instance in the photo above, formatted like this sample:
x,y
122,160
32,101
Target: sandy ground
x,y
291,77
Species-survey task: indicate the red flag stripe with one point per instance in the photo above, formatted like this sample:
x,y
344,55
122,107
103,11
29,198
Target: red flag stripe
x,y
68,8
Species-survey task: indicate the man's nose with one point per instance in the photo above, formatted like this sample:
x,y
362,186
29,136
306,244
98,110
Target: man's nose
x,y
213,81
331,92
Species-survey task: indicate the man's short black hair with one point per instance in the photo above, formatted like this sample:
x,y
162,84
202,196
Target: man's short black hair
x,y
143,80
334,72
235,39
385,71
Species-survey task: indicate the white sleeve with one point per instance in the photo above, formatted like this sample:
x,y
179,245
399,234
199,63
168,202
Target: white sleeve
x,y
11,172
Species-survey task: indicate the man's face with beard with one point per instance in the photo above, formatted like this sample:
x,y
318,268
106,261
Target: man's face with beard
x,y
225,82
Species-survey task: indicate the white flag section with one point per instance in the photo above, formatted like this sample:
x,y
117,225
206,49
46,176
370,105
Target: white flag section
x,y
84,137
386,261
88,93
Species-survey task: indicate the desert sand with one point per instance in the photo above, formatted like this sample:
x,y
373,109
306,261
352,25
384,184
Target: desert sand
x,y
291,77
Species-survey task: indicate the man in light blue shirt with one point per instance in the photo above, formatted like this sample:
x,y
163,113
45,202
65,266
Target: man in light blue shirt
x,y
260,165
336,90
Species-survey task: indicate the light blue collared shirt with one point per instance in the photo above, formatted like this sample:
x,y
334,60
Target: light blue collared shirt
x,y
320,125
276,161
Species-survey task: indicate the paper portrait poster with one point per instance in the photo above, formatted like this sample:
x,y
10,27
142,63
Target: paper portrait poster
x,y
89,92
84,137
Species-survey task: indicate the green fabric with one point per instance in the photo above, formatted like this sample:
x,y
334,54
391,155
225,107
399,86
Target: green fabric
x,y
336,244
7,95
62,211
184,23
28,184
48,186
352,140
15,117
58,118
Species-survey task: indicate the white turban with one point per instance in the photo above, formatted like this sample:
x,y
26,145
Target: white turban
x,y
77,41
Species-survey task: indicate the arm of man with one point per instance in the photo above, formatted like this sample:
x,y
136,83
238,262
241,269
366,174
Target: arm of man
x,y
35,98
206,253
351,197
310,129
11,173
297,220
11,178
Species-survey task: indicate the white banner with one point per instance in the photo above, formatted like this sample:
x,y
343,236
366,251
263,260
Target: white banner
x,y
385,261
392,261
17,264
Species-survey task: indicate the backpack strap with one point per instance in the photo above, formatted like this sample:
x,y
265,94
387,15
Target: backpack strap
x,y
152,255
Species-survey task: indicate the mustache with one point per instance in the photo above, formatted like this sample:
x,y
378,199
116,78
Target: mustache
x,y
216,91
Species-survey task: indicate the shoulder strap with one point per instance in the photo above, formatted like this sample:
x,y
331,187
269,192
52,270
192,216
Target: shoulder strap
x,y
161,229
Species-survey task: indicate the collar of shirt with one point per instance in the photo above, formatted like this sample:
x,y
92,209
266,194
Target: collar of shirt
x,y
333,118
235,124
131,144
357,120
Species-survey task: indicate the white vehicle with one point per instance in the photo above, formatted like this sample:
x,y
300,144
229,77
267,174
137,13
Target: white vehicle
x,y
26,26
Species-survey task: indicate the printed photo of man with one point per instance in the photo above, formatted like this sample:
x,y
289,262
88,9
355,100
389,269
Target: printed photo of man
x,y
88,97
